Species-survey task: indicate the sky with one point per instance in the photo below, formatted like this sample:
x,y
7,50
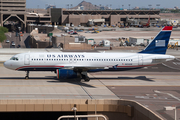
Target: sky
x,y
114,3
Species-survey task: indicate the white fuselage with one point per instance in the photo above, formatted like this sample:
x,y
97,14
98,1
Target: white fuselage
x,y
52,61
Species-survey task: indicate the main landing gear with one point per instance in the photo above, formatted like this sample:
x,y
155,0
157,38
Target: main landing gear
x,y
27,75
85,77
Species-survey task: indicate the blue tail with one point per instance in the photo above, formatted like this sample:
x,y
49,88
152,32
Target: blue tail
x,y
160,42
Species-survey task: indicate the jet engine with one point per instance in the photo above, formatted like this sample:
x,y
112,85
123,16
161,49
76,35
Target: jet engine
x,y
67,74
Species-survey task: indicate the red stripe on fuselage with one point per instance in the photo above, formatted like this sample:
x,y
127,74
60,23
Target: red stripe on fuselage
x,y
38,67
57,73
135,66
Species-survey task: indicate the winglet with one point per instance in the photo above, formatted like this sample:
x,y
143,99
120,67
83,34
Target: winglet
x,y
160,42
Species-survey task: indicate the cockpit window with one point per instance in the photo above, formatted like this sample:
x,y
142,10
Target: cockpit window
x,y
14,58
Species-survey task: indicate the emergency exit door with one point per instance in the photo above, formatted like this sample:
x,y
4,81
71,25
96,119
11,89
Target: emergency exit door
x,y
26,59
140,60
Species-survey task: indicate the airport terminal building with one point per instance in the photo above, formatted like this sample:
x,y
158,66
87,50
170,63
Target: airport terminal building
x,y
15,10
110,17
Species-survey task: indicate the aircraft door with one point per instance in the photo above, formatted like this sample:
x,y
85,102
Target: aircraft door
x,y
140,60
27,59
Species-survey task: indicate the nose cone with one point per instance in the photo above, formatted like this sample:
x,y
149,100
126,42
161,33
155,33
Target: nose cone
x,y
7,64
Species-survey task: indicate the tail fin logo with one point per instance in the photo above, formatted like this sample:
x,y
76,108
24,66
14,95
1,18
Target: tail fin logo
x,y
160,43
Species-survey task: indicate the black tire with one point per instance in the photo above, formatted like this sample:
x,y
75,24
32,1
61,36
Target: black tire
x,y
26,77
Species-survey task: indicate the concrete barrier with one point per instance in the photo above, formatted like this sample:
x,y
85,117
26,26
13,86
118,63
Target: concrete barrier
x,y
113,109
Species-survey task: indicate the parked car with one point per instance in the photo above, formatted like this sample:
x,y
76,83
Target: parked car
x,y
73,33
13,43
7,41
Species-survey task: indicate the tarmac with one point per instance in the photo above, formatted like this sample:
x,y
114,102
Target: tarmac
x,y
154,87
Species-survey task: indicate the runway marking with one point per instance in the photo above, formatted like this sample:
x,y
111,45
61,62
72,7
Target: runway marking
x,y
170,67
177,59
156,91
176,63
87,92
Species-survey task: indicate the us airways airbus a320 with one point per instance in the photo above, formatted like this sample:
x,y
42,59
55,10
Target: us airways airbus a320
x,y
77,65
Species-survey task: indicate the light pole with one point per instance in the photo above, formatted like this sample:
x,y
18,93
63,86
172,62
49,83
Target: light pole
x,y
37,8
123,7
158,5
71,6
149,6
129,6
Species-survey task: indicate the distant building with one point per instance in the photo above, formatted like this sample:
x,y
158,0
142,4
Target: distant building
x,y
111,17
176,8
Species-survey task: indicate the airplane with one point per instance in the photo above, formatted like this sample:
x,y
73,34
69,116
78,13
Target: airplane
x,y
69,65
143,24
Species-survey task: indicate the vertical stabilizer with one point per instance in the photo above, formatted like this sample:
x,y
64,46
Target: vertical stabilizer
x,y
160,42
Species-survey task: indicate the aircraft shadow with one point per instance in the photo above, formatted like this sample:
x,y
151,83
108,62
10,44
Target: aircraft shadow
x,y
144,78
53,80
72,81
23,78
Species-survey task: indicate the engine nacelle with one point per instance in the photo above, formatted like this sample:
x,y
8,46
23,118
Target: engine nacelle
x,y
66,74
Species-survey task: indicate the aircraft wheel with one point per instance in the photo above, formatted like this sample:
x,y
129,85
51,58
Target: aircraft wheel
x,y
26,77
86,79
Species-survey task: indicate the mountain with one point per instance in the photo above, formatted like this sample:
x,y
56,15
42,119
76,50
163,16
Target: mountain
x,y
88,6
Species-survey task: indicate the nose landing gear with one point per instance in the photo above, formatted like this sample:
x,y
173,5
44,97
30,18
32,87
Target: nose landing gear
x,y
27,75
